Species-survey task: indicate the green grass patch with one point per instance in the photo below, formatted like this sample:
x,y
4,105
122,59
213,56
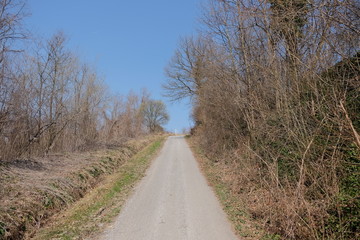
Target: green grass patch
x,y
103,203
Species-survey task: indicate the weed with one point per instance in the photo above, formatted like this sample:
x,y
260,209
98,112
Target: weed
x,y
271,237
2,229
48,202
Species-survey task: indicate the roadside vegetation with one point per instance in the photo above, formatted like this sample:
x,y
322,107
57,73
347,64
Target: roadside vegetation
x,y
61,129
274,87
219,178
52,101
103,203
33,191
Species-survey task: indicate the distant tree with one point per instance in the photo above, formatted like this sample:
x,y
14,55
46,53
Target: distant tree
x,y
186,69
154,115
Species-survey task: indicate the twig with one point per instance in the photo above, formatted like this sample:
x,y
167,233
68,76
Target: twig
x,y
355,133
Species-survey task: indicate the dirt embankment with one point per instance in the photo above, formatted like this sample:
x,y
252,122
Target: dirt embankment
x,y
32,190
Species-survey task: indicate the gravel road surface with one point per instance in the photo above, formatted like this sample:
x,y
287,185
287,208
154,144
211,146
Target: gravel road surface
x,y
172,202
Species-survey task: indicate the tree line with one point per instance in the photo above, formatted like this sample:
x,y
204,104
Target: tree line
x,y
52,101
274,87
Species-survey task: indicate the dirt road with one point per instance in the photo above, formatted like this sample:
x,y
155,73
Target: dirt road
x,y
173,201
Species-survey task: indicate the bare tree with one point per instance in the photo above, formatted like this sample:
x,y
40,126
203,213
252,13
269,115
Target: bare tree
x,y
154,114
279,89
51,101
11,16
185,71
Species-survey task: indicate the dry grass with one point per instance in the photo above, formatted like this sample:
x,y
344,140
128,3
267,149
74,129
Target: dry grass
x,y
225,181
89,215
34,189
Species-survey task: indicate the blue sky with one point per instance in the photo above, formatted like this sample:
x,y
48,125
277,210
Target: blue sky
x,y
130,42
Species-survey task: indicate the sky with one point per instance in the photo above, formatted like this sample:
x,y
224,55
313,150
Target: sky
x,y
129,42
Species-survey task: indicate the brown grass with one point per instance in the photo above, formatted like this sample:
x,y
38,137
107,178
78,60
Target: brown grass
x,y
34,189
224,179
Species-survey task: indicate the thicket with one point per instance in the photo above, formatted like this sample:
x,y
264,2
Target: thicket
x,y
51,101
275,92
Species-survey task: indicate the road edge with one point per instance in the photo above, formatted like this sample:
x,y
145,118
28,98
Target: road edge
x,y
88,216
244,227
